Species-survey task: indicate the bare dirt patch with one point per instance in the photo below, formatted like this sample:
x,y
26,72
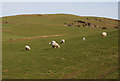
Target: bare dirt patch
x,y
9,31
107,72
73,74
39,37
5,71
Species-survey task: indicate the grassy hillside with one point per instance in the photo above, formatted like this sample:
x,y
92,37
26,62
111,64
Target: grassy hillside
x,y
96,57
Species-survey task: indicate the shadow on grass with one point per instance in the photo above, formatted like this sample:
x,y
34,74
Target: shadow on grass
x,y
23,50
48,48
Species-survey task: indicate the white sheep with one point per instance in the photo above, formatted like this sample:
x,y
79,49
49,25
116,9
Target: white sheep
x,y
104,34
27,47
84,38
54,44
53,41
57,45
62,41
50,43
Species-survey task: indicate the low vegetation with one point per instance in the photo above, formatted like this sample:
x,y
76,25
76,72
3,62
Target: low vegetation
x,y
94,58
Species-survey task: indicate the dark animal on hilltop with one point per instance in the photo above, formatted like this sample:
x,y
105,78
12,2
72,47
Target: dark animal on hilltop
x,y
6,22
89,24
83,25
116,27
78,25
81,21
104,28
87,18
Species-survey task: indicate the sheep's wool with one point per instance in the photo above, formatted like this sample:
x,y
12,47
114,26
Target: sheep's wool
x,y
53,42
27,47
84,38
104,34
63,40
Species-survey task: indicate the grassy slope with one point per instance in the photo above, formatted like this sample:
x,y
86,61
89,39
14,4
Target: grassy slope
x,y
87,59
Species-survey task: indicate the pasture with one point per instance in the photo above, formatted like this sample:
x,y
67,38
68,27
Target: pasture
x,y
94,58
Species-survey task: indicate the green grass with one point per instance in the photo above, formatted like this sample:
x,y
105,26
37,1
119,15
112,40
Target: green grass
x,y
88,59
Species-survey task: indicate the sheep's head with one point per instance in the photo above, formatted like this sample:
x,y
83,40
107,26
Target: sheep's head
x,y
58,46
50,43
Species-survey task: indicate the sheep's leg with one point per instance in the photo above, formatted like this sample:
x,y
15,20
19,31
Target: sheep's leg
x,y
26,48
53,46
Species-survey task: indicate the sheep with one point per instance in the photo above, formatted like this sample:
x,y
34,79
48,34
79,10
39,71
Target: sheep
x,y
50,43
104,34
53,41
62,41
27,47
84,38
54,44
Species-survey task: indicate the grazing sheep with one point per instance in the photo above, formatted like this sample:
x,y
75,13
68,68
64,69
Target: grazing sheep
x,y
54,44
104,34
84,38
57,45
51,43
62,41
27,47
